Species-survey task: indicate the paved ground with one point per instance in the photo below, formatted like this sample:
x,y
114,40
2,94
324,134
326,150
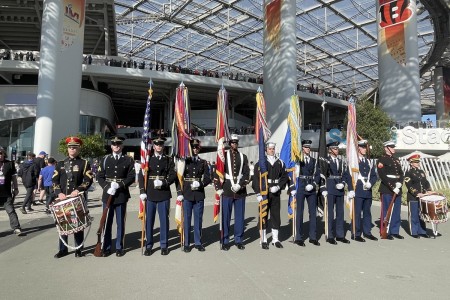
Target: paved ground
x,y
398,269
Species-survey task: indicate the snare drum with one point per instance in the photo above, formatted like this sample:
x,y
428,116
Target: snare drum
x,y
433,208
70,215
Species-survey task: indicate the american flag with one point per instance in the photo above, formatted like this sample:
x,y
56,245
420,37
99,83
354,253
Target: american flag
x,y
146,143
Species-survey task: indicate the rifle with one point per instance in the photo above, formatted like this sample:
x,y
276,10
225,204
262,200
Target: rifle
x,y
384,226
98,248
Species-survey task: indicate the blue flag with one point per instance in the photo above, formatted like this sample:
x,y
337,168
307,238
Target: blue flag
x,y
285,156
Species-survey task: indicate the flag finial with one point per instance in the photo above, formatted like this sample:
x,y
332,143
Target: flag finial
x,y
259,89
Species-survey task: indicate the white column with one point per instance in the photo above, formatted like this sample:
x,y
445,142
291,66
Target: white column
x,y
58,99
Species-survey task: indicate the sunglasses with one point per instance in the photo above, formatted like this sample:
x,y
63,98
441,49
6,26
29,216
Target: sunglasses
x,y
234,142
116,144
196,147
158,144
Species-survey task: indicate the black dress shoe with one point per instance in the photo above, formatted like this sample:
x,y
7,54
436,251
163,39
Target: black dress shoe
x,y
398,236
264,245
314,242
148,252
360,239
78,253
425,235
390,237
416,236
278,244
343,240
200,248
299,243
164,251
186,249
371,237
240,246
61,254
331,241
106,253
120,252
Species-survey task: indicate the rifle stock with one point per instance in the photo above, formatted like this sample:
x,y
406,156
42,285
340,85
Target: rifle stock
x,y
98,246
387,218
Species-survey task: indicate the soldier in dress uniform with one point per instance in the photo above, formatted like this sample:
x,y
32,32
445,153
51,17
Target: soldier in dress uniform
x,y
234,191
391,176
161,175
417,186
337,177
196,177
276,179
72,178
363,195
115,175
308,179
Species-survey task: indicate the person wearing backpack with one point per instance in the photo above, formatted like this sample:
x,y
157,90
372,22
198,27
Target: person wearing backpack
x,y
29,175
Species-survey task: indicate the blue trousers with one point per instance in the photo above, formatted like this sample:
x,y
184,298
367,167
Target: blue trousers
x,y
120,211
335,225
163,213
416,225
363,205
196,207
394,227
312,209
78,237
239,214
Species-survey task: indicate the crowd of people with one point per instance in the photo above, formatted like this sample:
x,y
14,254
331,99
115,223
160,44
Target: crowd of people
x,y
324,184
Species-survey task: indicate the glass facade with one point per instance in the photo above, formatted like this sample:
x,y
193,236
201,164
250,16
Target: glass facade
x,y
17,136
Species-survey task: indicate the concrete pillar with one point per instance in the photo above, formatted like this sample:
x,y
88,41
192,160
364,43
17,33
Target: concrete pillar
x,y
398,60
441,80
280,61
58,99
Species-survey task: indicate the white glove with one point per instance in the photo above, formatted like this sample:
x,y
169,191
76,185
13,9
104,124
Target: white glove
x,y
111,191
397,191
195,184
114,185
309,187
180,198
398,185
351,194
367,185
219,192
324,193
235,188
274,189
339,186
157,183
143,196
259,198
293,193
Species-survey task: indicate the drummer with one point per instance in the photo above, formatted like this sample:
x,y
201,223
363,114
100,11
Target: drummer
x,y
72,178
417,185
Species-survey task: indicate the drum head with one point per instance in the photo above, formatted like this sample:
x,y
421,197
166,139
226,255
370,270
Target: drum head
x,y
67,200
432,198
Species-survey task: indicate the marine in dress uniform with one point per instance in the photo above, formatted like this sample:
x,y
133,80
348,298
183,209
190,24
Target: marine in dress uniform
x,y
276,179
161,174
71,178
196,177
417,186
115,175
233,191
337,176
308,179
363,195
391,176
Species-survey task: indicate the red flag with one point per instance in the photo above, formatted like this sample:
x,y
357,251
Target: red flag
x,y
222,135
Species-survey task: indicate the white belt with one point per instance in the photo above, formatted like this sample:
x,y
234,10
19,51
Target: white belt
x,y
272,181
393,176
227,176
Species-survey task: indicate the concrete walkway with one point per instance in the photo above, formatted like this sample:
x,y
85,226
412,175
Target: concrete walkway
x,y
398,269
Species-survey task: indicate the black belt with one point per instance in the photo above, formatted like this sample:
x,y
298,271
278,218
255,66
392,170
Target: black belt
x,y
305,177
334,177
156,177
114,179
